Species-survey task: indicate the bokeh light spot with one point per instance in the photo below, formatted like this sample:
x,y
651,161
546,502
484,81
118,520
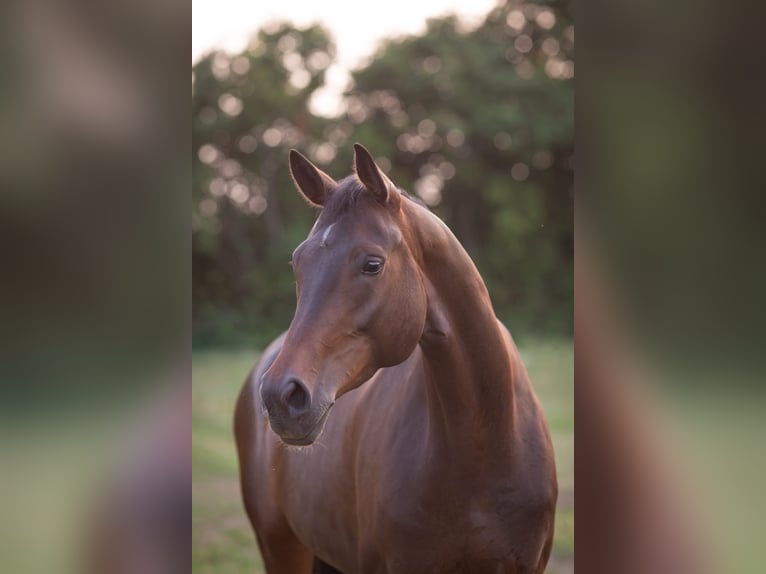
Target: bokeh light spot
x,y
272,137
523,44
520,171
258,204
546,19
207,154
248,143
516,20
230,105
455,138
503,140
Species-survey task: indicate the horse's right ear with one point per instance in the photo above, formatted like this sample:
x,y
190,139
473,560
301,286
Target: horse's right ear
x,y
373,178
314,184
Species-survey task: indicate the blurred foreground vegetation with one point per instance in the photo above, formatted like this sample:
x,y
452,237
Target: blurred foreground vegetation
x,y
222,540
478,123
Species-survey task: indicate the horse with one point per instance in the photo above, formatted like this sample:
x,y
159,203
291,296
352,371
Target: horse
x,y
405,435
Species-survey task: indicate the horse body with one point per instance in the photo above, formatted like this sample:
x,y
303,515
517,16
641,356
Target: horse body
x,y
435,462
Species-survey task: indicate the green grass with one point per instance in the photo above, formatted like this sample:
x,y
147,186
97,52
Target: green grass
x,y
222,540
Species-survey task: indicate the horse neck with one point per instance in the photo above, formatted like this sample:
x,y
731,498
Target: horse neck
x,y
468,370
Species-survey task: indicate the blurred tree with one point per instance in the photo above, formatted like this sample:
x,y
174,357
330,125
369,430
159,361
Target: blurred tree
x,y
478,123
481,124
248,109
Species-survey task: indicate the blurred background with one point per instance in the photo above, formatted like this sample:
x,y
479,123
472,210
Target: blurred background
x,y
469,106
474,117
96,283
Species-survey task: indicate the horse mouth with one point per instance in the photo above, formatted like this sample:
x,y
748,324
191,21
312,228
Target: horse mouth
x,y
312,434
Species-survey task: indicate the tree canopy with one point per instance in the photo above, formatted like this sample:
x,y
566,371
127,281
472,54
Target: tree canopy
x,y
478,123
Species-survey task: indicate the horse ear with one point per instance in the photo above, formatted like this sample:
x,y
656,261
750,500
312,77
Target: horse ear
x,y
373,178
314,184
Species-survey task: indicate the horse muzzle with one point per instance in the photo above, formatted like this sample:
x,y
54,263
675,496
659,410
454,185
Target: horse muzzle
x,y
293,416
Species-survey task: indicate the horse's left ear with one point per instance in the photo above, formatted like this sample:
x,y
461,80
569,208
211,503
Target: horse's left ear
x,y
314,184
373,177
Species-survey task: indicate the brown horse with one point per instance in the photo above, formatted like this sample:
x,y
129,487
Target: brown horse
x,y
429,450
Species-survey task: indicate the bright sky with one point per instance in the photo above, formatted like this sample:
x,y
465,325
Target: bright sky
x,y
356,26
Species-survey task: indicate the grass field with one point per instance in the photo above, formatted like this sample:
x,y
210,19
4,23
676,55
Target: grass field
x,y
222,541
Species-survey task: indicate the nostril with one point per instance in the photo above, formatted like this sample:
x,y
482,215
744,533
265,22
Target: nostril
x,y
295,396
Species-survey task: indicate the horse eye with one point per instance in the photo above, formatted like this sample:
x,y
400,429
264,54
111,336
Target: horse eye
x,y
372,266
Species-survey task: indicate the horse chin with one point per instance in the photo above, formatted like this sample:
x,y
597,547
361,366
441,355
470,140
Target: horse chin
x,y
311,436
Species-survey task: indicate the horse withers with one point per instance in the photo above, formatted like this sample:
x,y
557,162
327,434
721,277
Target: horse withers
x,y
393,427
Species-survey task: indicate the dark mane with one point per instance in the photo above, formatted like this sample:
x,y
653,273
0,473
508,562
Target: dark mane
x,y
344,197
348,193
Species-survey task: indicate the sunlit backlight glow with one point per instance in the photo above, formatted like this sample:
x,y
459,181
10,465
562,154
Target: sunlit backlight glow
x,y
551,46
324,153
516,20
229,26
292,61
427,128
230,105
546,19
417,143
429,189
220,66
455,138
208,154
300,78
318,61
447,170
239,193
288,43
272,137
240,65
327,101
559,70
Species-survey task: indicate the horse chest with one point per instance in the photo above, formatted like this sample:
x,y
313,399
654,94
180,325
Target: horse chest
x,y
448,531
476,543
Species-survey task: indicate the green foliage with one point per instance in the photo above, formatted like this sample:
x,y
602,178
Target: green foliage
x,y
479,124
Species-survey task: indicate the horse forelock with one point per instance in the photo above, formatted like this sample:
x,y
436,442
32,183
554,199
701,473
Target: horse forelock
x,y
348,193
343,198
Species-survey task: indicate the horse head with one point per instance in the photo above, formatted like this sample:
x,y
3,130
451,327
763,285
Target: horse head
x,y
361,297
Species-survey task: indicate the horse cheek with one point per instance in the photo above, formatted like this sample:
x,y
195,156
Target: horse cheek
x,y
405,321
